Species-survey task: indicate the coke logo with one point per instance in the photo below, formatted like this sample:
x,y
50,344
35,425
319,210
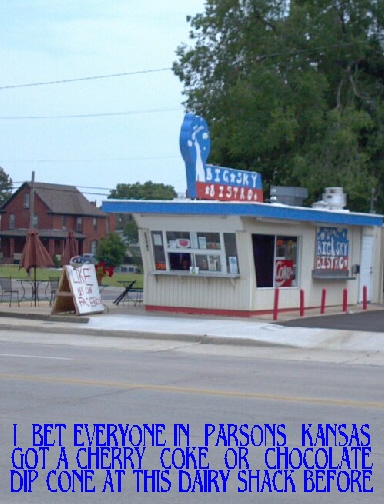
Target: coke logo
x,y
284,273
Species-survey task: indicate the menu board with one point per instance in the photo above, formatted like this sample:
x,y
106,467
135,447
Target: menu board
x,y
332,249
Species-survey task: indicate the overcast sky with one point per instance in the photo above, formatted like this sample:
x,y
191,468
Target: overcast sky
x,y
131,132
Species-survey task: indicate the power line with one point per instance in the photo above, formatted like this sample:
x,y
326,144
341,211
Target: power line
x,y
84,189
315,48
97,188
93,77
100,114
95,160
66,190
167,69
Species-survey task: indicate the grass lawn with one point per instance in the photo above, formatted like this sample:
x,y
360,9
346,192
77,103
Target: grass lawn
x,y
12,270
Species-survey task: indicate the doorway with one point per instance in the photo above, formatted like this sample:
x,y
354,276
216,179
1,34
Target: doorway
x,y
263,256
366,267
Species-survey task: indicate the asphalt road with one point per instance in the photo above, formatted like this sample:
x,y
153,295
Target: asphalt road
x,y
168,384
362,321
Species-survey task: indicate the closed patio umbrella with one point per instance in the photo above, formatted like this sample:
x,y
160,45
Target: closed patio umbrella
x,y
70,248
34,255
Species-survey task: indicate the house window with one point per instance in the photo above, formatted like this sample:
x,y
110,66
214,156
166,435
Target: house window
x,y
12,221
95,225
26,200
275,259
93,247
64,222
215,253
79,224
35,221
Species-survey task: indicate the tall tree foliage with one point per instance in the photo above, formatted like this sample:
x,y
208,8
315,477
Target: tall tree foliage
x,y
294,90
148,190
5,186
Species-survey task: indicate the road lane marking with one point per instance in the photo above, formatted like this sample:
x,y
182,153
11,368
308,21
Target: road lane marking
x,y
188,390
34,356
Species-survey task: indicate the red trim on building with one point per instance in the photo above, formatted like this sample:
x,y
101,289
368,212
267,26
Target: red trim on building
x,y
211,311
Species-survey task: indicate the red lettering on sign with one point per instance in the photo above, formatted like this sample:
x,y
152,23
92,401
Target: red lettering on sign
x,y
222,192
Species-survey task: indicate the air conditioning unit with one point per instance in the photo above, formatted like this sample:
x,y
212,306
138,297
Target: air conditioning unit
x,y
335,198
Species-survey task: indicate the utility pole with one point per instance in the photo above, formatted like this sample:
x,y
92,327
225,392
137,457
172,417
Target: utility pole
x,y
372,201
32,201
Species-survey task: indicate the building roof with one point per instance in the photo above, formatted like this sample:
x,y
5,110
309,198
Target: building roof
x,y
258,210
61,199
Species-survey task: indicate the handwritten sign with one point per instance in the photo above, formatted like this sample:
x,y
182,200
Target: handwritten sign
x,y
85,289
332,249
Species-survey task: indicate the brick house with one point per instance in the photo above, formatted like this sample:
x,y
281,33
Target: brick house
x,y
57,209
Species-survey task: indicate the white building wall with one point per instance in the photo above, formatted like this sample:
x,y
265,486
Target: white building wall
x,y
194,291
241,294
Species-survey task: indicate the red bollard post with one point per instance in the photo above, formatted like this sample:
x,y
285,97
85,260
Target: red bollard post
x,y
323,296
365,297
276,304
345,300
302,303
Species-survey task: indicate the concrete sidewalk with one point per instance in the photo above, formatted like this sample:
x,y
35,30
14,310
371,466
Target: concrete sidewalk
x,y
135,322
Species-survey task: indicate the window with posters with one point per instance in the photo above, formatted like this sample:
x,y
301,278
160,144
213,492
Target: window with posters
x,y
275,259
195,252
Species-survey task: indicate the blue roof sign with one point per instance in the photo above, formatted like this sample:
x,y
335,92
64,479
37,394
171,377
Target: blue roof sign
x,y
211,182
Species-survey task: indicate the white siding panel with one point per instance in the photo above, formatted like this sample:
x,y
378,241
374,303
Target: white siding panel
x,y
241,293
192,291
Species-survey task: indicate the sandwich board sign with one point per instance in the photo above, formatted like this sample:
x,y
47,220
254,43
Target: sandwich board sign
x,y
78,291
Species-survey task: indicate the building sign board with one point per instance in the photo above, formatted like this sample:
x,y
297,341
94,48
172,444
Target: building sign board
x,y
332,249
210,182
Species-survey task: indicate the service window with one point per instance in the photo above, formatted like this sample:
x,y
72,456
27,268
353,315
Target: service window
x,y
276,260
180,261
181,250
158,250
231,253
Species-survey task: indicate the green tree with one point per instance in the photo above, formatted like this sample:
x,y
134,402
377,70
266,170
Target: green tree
x,y
111,249
131,233
293,90
5,186
147,191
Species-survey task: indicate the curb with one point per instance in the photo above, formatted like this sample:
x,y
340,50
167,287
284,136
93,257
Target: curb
x,y
52,318
203,340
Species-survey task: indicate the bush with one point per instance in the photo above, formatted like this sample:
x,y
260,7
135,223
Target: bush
x,y
56,261
111,250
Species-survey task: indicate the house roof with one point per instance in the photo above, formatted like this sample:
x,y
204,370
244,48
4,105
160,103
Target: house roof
x,y
61,199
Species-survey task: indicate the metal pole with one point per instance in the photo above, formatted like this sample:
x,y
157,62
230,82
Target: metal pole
x,y
345,300
323,297
302,308
372,201
276,304
32,201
